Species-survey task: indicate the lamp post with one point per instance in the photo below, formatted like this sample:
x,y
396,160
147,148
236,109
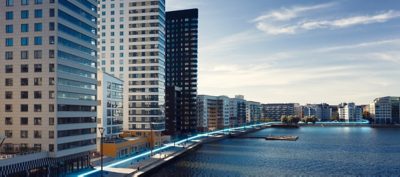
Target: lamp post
x,y
101,130
151,139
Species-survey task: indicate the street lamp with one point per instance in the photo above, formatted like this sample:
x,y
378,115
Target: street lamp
x,y
151,139
101,130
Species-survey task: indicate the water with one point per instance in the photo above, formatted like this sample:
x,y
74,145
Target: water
x,y
320,151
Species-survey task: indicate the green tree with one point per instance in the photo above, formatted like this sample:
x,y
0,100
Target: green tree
x,y
284,119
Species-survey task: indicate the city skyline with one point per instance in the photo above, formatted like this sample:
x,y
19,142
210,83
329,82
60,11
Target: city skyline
x,y
285,51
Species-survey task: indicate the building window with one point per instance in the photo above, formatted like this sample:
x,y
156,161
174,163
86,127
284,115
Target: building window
x,y
38,40
38,13
24,28
24,68
51,40
8,108
51,107
24,121
51,94
9,15
9,55
37,147
37,134
38,1
9,94
37,121
38,68
37,94
8,133
51,26
9,68
37,108
37,54
9,28
24,108
51,120
9,42
51,68
51,53
9,3
9,81
24,14
37,81
24,55
51,13
24,2
51,81
51,134
24,95
24,41
51,147
8,121
38,27
24,134
24,81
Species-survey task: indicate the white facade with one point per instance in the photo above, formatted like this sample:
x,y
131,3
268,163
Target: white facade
x,y
213,112
253,111
349,112
385,110
132,48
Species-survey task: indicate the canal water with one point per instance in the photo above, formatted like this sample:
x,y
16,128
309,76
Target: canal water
x,y
319,151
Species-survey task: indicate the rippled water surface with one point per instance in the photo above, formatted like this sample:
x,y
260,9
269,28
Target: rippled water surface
x,y
320,151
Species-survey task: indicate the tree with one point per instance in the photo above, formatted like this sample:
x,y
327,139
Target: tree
x,y
295,119
284,119
335,116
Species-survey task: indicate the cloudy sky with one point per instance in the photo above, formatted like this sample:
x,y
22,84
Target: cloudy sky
x,y
298,51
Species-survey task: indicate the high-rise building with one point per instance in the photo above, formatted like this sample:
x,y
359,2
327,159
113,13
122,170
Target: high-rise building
x,y
132,48
109,108
181,70
48,83
386,110
349,112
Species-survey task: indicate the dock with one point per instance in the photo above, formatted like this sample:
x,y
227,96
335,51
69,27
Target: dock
x,y
282,138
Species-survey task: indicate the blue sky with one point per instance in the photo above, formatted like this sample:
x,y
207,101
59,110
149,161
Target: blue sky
x,y
298,51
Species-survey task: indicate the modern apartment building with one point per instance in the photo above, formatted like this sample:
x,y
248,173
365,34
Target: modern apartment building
x,y
181,70
253,111
321,111
237,111
276,110
109,108
48,54
132,48
213,112
386,110
349,112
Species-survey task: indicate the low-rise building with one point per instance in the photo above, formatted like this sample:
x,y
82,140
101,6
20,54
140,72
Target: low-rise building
x,y
276,110
321,111
237,111
385,110
253,111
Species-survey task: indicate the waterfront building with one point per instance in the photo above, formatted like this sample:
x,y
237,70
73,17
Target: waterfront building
x,y
132,48
253,111
237,111
349,112
48,86
321,111
109,108
181,71
213,112
276,110
386,110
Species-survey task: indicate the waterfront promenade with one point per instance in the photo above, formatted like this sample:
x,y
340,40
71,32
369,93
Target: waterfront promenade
x,y
147,161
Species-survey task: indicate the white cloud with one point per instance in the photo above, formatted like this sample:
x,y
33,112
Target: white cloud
x,y
392,42
267,27
182,4
286,14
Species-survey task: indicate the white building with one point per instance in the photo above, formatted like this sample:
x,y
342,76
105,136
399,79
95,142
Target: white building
x,y
132,48
349,112
213,112
109,108
253,111
385,110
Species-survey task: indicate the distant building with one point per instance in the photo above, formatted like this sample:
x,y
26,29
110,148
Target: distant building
x,y
322,111
212,112
109,107
181,70
349,112
237,111
385,110
276,110
253,111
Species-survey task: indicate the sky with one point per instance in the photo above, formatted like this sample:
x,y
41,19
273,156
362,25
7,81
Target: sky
x,y
302,51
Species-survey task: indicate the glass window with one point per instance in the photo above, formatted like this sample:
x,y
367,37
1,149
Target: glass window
x,y
37,54
8,108
8,68
9,94
24,2
37,81
9,29
51,53
37,121
24,81
24,121
38,68
24,41
37,108
24,55
24,68
9,82
38,1
51,13
37,134
37,94
51,40
8,121
9,42
51,26
24,133
24,95
51,67
24,108
38,13
9,55
38,40
9,15
24,14
24,28
9,2
38,27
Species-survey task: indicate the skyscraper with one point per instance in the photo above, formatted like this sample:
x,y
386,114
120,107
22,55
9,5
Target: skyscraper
x,y
132,48
181,70
48,83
